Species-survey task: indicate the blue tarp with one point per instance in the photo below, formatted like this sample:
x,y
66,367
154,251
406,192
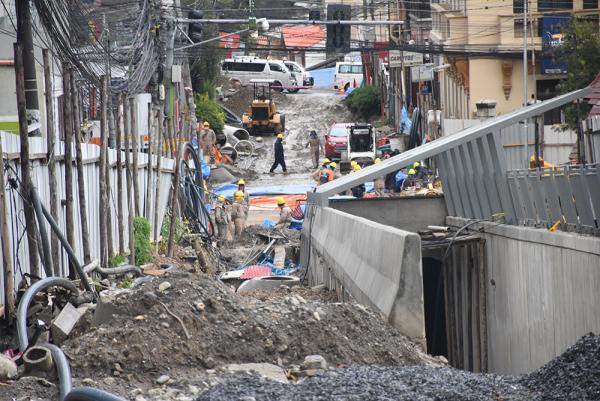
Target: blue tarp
x,y
227,190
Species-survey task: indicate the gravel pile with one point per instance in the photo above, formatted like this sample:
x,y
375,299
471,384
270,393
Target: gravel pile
x,y
364,383
574,375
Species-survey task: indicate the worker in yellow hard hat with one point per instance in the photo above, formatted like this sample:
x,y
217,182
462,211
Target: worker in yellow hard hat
x,y
208,139
412,173
239,213
279,155
315,176
377,161
222,219
327,174
359,190
285,213
242,188
353,163
316,147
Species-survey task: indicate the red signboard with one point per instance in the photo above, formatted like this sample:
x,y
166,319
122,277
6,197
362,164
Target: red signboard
x,y
229,42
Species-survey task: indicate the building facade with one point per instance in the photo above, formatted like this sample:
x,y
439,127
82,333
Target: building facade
x,y
484,43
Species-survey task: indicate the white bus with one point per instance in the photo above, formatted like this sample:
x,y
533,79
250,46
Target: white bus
x,y
348,74
245,69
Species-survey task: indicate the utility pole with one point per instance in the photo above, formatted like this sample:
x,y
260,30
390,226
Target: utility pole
x,y
9,291
25,40
68,124
525,97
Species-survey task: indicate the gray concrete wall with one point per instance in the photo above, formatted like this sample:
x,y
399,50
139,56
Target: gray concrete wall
x,y
407,213
542,293
378,265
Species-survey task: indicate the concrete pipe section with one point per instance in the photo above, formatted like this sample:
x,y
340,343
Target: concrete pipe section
x,y
268,283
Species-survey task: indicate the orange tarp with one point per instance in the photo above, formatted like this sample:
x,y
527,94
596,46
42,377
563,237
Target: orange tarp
x,y
271,201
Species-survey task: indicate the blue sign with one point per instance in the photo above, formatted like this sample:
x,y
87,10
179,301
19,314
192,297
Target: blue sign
x,y
553,29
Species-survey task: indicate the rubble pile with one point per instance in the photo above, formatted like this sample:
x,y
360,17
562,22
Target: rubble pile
x,y
144,338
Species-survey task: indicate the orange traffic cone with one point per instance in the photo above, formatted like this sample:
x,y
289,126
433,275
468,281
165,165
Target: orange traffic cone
x,y
342,92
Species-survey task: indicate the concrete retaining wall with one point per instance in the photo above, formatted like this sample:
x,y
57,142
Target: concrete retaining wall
x,y
378,265
407,213
542,293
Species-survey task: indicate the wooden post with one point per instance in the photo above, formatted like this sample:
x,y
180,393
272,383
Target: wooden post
x,y
129,182
68,120
159,148
85,237
120,180
102,174
134,154
109,200
148,211
7,266
34,265
50,141
174,192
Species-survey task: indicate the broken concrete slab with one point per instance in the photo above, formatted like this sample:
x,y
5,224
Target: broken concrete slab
x,y
267,370
105,308
64,322
314,362
279,258
268,283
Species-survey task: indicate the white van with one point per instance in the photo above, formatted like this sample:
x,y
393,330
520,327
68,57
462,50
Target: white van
x,y
347,74
245,69
305,81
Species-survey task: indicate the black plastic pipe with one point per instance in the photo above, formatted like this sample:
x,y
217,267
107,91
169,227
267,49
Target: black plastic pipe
x,y
68,249
37,205
63,370
26,301
91,394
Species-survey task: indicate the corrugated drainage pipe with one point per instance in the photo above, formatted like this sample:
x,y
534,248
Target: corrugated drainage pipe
x,y
26,300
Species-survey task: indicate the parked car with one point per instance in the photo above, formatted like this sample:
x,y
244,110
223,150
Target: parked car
x,y
245,69
336,141
302,76
347,74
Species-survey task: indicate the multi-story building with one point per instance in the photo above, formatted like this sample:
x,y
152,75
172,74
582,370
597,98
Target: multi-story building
x,y
484,40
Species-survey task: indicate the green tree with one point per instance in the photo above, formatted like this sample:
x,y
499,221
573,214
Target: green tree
x,y
141,238
581,53
364,102
209,110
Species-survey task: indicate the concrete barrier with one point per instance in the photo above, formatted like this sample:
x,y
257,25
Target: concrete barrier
x,y
378,265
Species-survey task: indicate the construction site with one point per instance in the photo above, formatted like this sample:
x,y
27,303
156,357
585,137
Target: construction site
x,y
289,229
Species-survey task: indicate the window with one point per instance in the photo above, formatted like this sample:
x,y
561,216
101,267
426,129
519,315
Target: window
x,y
292,67
357,69
550,5
587,4
350,69
338,132
275,67
518,6
344,69
237,66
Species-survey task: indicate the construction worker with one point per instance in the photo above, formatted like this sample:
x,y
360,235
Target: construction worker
x,y
316,147
239,213
421,172
279,155
315,176
285,213
379,182
327,174
208,138
242,187
222,218
359,190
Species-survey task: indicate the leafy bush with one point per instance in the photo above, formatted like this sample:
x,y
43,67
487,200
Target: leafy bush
x,y
207,86
364,102
209,110
141,238
118,260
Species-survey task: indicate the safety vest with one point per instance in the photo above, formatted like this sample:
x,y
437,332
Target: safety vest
x,y
326,176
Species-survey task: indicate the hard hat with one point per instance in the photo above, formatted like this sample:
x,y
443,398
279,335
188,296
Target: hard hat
x,y
241,182
206,124
280,201
416,164
279,136
412,171
333,165
356,167
239,195
378,160
326,161
353,163
221,198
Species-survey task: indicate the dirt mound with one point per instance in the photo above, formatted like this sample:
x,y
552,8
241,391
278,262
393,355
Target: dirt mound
x,y
144,339
572,375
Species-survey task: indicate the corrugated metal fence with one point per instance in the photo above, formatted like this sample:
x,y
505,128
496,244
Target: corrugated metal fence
x,y
91,166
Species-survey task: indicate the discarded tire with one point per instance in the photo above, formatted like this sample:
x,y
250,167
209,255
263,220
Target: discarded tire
x,y
268,283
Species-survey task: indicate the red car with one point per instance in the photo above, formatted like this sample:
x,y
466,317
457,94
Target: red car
x,y
336,141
